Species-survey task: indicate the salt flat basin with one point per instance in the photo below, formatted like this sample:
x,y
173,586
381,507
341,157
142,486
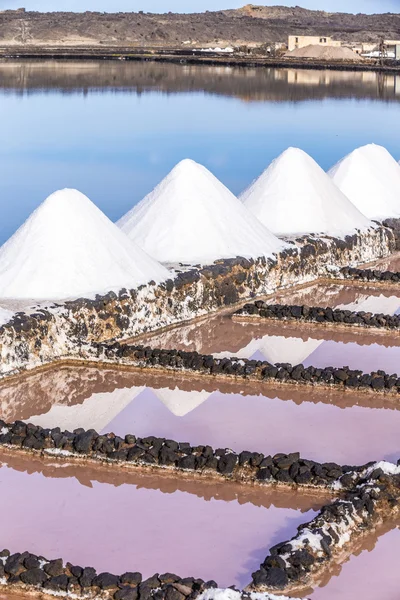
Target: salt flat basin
x,y
143,525
322,424
370,573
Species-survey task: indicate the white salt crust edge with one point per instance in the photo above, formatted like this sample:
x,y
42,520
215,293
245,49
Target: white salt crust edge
x,y
344,528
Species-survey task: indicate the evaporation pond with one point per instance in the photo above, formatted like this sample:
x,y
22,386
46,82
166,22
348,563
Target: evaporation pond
x,y
119,521
322,425
288,342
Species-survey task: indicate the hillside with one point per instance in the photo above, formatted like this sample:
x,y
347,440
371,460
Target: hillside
x,y
250,24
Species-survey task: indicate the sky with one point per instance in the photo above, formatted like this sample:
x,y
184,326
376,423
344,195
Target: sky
x,y
366,6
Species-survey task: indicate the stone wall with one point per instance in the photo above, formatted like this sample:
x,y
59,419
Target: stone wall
x,y
303,559
178,457
42,335
317,314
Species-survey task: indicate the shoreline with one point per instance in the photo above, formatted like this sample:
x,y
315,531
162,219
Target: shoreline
x,y
175,56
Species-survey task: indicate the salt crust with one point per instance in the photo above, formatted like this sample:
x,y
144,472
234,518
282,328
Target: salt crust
x,y
192,217
294,196
69,248
370,178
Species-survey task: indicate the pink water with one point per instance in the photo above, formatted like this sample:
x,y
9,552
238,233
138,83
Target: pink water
x,y
324,426
137,527
269,425
371,574
91,516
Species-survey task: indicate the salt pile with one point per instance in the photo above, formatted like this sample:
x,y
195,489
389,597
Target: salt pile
x,y
295,196
370,177
192,217
325,53
69,248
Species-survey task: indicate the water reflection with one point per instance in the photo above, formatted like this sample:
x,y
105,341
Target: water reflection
x,y
248,84
216,538
391,263
322,425
114,129
311,345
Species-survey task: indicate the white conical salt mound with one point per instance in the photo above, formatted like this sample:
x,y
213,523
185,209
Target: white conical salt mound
x,y
192,217
68,248
370,178
294,196
179,402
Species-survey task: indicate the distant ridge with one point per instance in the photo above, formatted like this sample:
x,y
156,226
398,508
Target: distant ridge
x,y
257,24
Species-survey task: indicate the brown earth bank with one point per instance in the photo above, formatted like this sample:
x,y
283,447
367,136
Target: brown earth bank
x,y
193,57
248,25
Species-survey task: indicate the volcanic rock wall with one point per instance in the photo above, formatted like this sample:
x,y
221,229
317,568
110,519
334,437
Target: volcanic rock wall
x,y
61,331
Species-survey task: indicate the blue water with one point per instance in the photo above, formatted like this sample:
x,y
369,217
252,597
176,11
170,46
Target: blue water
x,y
116,145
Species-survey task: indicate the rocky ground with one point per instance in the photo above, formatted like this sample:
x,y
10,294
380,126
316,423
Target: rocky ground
x,y
248,25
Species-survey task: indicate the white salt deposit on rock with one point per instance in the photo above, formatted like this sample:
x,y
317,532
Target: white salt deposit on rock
x,y
181,402
370,178
295,196
192,217
69,248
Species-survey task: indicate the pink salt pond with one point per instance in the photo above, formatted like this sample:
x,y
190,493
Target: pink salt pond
x,y
311,345
322,425
142,523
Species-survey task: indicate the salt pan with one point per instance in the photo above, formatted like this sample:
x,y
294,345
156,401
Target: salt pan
x,y
69,248
192,217
370,178
295,196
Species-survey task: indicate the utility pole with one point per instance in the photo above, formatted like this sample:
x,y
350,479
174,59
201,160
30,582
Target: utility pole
x,y
382,50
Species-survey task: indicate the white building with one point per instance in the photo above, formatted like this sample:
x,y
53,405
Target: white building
x,y
301,41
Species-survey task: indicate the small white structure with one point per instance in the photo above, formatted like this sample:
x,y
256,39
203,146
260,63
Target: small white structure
x,y
294,196
191,217
370,177
68,248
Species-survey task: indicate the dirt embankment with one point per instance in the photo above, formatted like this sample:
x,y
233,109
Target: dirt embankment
x,y
249,25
